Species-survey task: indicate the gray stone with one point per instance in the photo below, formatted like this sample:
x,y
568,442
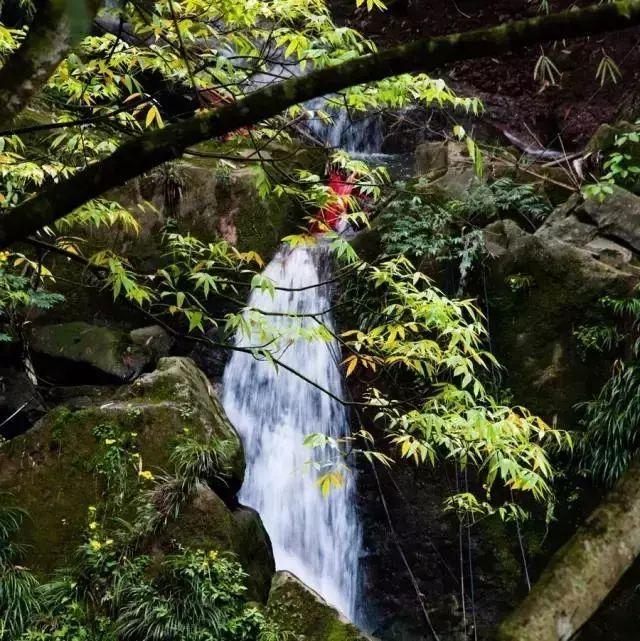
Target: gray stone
x,y
50,472
610,229
153,338
431,158
534,336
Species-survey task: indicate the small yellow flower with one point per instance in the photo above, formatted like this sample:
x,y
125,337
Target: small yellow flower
x,y
4,256
92,509
110,441
95,545
93,525
109,542
134,434
213,555
145,474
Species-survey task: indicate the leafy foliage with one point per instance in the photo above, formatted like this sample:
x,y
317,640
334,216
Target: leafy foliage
x,y
622,167
612,419
201,462
191,594
113,592
434,342
420,225
597,338
419,355
18,587
21,292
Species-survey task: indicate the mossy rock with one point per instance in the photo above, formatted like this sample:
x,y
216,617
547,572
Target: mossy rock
x,y
297,609
540,291
206,522
50,470
605,136
206,199
79,351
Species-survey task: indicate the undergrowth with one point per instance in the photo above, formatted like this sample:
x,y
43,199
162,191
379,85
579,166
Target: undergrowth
x,y
420,225
612,420
117,588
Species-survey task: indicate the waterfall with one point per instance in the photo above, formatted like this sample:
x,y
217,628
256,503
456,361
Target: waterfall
x,y
360,136
316,537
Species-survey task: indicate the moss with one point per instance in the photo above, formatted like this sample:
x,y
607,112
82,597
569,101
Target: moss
x,y
49,469
299,610
207,523
534,338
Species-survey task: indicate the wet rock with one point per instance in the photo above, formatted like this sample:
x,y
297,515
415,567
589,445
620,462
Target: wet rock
x,y
81,352
51,469
297,609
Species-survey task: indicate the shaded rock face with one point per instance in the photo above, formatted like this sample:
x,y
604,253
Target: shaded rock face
x,y
438,554
297,609
20,403
206,200
153,338
540,291
79,352
50,470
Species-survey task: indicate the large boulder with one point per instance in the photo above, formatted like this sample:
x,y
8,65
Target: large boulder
x,y
540,291
297,609
51,469
81,352
609,229
206,522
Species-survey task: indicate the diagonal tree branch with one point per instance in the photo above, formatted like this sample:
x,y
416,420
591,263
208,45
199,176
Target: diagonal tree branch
x,y
158,146
45,46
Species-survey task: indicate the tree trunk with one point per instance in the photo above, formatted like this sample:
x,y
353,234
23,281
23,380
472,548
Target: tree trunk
x,y
584,571
45,46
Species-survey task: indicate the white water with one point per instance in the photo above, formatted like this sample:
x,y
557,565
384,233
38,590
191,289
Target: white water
x,y
317,538
362,135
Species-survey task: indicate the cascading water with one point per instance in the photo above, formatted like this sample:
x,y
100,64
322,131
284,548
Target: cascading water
x,y
359,136
316,537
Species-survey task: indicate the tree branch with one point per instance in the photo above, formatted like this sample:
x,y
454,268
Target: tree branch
x,y
159,146
45,46
584,571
